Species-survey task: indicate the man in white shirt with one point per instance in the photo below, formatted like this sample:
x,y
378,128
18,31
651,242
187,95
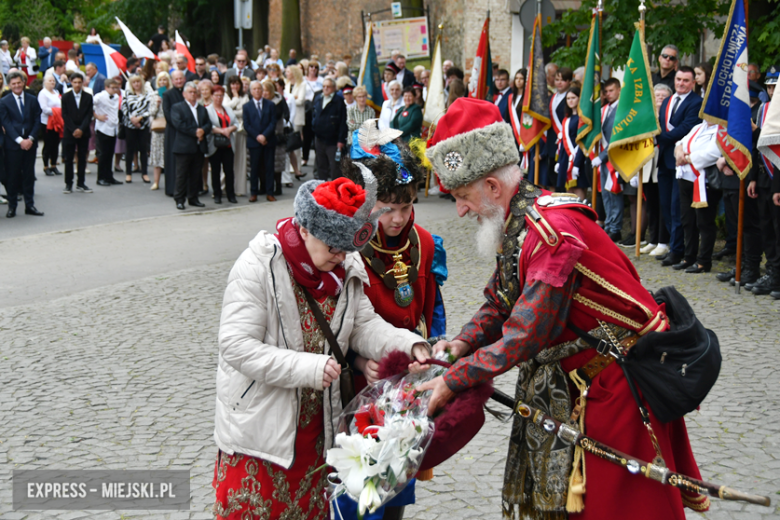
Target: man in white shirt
x,y
106,111
6,60
612,199
73,61
405,77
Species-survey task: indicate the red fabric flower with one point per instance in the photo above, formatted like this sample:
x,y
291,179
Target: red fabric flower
x,y
342,196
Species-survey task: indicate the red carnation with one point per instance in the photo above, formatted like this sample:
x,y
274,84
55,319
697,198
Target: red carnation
x,y
342,196
367,417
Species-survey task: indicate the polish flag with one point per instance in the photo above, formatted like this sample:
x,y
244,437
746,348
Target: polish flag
x,y
139,49
181,48
116,64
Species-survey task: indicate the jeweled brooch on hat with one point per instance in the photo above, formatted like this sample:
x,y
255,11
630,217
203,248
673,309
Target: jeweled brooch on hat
x,y
402,175
453,161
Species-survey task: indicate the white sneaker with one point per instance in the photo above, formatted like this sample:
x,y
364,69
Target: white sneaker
x,y
661,249
648,248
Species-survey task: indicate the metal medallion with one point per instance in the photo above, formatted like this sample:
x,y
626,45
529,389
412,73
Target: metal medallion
x,y
404,294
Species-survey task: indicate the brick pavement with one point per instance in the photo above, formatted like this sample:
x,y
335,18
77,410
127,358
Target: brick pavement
x,y
122,377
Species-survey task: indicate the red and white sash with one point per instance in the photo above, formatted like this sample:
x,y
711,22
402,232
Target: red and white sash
x,y
571,150
515,120
667,125
384,92
770,168
611,182
556,123
699,185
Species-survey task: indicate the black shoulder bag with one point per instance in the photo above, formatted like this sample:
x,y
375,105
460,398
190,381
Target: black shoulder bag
x,y
346,380
674,369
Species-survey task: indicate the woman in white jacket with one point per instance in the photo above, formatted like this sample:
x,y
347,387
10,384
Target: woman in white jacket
x,y
278,396
391,106
299,93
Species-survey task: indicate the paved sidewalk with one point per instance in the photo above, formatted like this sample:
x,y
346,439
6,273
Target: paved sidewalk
x,y
122,377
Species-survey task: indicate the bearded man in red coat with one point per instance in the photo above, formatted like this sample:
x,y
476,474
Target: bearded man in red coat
x,y
555,268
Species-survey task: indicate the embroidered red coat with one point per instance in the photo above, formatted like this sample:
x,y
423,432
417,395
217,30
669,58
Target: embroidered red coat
x,y
570,272
383,298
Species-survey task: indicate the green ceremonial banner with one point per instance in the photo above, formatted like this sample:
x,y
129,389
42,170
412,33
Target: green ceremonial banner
x,y
631,146
589,108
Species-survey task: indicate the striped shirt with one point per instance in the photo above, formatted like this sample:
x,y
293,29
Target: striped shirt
x,y
356,117
136,105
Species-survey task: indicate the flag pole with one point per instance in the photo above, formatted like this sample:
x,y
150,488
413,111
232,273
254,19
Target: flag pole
x,y
597,171
741,211
638,234
536,146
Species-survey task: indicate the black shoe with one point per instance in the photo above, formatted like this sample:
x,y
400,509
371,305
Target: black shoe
x,y
68,189
11,213
682,265
615,237
726,276
196,203
217,199
775,295
761,281
696,269
748,276
83,188
48,172
671,259
629,241
718,255
661,258
203,192
114,181
232,200
118,169
55,170
772,283
101,182
30,210
180,205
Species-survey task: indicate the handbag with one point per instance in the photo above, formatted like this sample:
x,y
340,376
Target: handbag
x,y
294,141
346,379
220,141
158,125
674,369
714,180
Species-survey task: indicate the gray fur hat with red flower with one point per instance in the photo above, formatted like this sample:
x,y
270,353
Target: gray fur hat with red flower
x,y
470,141
339,212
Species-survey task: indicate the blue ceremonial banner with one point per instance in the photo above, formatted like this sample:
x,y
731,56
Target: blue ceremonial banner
x,y
369,72
727,101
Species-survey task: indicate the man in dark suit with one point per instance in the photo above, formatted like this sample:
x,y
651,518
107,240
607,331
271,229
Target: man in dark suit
x,y
192,125
47,53
613,202
405,76
95,80
677,115
20,117
563,78
76,116
260,126
171,97
329,124
60,80
240,68
501,99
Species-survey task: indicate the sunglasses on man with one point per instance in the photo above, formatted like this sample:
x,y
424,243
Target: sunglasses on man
x,y
668,57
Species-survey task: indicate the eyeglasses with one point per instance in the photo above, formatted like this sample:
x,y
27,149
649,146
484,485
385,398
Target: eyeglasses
x,y
668,57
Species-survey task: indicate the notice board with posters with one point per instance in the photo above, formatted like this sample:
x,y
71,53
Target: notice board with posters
x,y
408,35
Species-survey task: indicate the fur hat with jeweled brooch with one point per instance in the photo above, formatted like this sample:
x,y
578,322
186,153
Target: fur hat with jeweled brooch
x,y
471,140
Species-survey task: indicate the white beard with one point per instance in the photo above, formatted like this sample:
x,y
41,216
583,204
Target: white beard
x,y
491,229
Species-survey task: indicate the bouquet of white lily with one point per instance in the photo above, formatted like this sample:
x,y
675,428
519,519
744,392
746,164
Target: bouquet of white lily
x,y
383,435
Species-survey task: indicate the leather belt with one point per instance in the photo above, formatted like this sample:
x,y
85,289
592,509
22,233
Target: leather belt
x,y
603,359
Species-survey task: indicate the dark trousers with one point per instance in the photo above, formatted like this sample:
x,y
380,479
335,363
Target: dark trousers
x,y
105,153
188,176
770,228
137,141
327,167
751,231
669,200
261,165
308,137
698,223
51,144
20,175
222,160
656,228
70,145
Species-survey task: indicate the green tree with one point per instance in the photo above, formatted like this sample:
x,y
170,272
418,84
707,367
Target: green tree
x,y
291,27
764,31
667,21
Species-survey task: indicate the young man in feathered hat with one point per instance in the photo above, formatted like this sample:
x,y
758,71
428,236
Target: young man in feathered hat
x,y
555,268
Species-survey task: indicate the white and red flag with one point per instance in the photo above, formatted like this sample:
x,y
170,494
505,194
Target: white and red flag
x,y
139,49
181,48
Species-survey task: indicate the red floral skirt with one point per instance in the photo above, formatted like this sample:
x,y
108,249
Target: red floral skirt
x,y
252,488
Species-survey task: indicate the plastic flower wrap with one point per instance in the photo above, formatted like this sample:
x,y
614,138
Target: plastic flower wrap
x,y
382,438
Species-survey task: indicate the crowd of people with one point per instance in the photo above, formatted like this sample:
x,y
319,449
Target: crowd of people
x,y
262,117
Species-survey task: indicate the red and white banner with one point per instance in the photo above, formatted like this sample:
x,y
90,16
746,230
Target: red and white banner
x,y
139,49
116,64
181,48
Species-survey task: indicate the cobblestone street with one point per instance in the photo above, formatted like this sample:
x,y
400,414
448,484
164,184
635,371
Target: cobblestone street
x,y
122,377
